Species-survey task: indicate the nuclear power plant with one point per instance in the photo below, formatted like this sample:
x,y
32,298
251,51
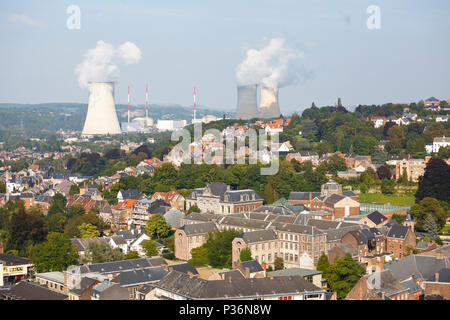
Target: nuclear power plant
x,y
247,106
268,106
101,116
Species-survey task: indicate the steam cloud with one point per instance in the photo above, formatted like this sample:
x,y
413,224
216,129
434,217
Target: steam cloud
x,y
274,65
100,63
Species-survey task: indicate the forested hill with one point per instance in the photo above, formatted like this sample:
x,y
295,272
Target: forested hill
x,y
50,117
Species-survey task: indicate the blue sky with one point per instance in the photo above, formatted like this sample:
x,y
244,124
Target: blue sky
x,y
201,43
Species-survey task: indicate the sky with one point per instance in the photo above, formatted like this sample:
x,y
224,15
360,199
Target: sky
x,y
201,43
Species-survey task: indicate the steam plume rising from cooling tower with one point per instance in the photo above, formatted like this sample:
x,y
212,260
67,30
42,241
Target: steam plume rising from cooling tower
x,y
100,63
275,65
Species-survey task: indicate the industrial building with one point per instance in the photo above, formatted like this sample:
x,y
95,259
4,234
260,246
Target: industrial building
x,y
247,104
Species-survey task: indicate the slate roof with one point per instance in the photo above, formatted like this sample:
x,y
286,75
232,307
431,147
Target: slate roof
x,y
444,275
196,288
173,217
197,216
398,232
420,266
303,195
124,265
253,265
359,236
235,196
131,194
244,223
376,217
141,276
258,236
348,193
386,283
25,290
294,272
411,285
184,267
84,284
334,198
295,228
279,210
118,240
12,260
234,274
198,228
218,189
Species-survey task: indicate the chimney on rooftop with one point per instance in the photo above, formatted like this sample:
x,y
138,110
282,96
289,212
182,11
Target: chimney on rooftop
x,y
229,279
436,277
190,274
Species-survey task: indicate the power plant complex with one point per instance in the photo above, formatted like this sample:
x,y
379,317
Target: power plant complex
x,y
101,118
247,102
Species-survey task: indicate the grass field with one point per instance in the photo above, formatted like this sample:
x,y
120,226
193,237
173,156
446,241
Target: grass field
x,y
394,199
446,230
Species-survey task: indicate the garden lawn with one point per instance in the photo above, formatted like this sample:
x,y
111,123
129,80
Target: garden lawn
x,y
407,199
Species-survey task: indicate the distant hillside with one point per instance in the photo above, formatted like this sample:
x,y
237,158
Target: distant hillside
x,y
50,117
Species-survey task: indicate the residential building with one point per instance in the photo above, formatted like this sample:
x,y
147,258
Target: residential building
x,y
415,168
179,286
438,143
218,198
399,239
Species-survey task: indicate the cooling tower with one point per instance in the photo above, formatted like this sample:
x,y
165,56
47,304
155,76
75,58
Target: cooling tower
x,y
247,107
101,116
268,107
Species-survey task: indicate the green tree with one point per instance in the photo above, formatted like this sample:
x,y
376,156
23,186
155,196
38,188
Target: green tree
x,y
388,186
55,222
157,227
245,255
384,172
279,263
398,217
435,182
75,210
269,193
323,264
74,189
55,254
71,229
396,134
25,229
199,256
343,274
428,207
132,255
101,251
219,245
2,187
150,248
193,208
88,230
430,227
58,204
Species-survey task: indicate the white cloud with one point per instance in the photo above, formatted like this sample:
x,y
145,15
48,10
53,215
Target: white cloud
x,y
22,19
